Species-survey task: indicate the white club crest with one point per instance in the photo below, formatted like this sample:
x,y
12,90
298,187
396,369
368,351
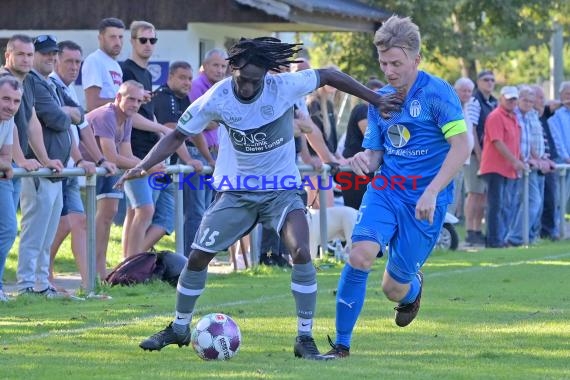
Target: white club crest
x,y
415,108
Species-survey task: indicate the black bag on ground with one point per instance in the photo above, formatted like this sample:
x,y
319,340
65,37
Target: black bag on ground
x,y
148,266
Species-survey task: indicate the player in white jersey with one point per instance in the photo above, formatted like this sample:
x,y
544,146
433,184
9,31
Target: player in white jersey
x,y
255,173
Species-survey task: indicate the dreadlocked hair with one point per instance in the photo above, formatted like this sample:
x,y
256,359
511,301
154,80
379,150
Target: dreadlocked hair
x,y
267,52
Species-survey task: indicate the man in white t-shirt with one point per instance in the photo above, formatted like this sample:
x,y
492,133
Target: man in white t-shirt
x,y
10,98
256,174
101,74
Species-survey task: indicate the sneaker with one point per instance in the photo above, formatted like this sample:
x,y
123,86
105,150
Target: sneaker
x,y
339,351
163,338
3,296
26,291
406,313
306,348
470,237
479,239
51,292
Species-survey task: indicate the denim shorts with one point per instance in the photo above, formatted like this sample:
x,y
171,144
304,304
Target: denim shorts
x,y
138,192
164,209
104,188
72,202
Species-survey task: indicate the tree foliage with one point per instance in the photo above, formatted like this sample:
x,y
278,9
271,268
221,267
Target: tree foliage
x,y
459,37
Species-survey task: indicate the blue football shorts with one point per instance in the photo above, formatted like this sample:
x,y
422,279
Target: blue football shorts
x,y
384,219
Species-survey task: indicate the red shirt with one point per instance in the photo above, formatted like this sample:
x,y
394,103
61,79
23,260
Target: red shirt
x,y
500,126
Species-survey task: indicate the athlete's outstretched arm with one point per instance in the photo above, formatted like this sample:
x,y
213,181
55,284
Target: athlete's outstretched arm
x,y
162,150
348,84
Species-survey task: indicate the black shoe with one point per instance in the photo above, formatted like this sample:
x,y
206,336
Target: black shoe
x,y
51,292
266,259
498,245
27,291
163,338
339,351
406,313
479,238
306,348
470,237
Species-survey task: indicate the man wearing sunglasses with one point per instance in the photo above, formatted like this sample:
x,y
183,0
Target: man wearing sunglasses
x,y
145,224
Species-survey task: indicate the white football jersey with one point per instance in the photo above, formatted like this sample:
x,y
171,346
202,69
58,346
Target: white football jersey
x,y
257,149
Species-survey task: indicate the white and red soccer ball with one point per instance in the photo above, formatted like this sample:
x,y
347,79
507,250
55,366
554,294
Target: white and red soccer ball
x,y
216,337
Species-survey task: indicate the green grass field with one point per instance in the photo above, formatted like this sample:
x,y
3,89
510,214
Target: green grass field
x,y
493,314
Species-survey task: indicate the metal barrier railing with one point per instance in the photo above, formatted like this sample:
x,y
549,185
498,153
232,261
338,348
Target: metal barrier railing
x,y
90,207
91,204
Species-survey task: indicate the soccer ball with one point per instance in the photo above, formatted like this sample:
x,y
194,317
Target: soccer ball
x,y
216,337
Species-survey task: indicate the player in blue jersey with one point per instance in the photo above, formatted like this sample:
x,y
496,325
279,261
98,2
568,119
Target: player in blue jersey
x,y
255,111
419,150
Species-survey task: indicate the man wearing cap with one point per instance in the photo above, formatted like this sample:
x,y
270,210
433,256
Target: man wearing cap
x,y
28,133
41,198
501,165
477,110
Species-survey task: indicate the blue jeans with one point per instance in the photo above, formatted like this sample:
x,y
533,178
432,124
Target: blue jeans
x,y
164,209
8,223
196,201
17,185
551,210
499,208
535,198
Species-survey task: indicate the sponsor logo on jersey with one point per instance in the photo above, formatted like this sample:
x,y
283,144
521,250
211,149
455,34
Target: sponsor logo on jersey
x,y
254,141
398,135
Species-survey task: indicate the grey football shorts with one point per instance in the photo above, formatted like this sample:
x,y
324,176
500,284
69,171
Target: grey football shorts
x,y
473,182
234,213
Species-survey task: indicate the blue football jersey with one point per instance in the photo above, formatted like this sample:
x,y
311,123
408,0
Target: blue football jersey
x,y
413,140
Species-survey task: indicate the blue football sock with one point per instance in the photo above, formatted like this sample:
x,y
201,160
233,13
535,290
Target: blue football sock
x,y
349,301
412,292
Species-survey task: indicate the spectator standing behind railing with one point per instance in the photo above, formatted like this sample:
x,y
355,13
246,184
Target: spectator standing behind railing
x,y
73,218
145,204
500,165
101,74
550,211
478,108
170,101
112,125
532,153
28,134
10,99
464,88
42,197
559,125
